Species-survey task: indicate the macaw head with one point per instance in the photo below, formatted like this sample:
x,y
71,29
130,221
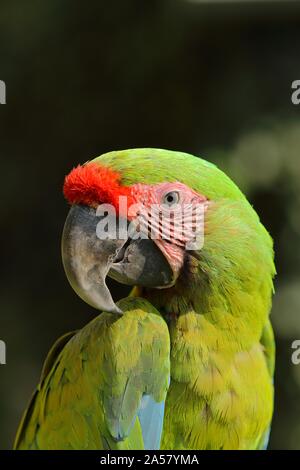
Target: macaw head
x,y
158,219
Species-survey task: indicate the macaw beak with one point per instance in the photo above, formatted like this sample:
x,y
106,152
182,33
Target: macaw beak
x,y
88,259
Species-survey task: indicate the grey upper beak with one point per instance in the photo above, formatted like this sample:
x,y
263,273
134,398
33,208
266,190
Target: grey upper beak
x,y
88,259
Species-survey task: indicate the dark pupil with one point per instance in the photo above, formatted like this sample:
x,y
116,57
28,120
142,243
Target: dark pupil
x,y
170,198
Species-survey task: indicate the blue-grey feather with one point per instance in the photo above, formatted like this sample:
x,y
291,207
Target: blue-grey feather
x,y
151,417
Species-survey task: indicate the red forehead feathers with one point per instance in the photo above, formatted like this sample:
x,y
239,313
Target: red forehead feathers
x,y
93,184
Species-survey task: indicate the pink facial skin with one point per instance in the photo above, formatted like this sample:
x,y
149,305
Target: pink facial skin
x,y
170,224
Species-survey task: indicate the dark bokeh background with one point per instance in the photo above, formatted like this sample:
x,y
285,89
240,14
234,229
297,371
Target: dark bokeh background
x,y
84,78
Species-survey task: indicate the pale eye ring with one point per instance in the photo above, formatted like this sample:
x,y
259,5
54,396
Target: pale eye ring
x,y
171,198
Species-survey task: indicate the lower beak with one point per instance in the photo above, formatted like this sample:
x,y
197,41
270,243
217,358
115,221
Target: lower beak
x,y
88,259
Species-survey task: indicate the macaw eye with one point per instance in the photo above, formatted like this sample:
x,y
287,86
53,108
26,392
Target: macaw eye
x,y
171,198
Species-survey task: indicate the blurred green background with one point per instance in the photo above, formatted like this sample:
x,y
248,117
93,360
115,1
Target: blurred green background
x,y
212,79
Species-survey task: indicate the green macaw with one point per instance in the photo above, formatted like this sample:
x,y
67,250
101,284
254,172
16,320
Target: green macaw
x,y
187,360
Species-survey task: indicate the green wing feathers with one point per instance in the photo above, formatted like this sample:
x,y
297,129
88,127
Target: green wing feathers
x,y
93,382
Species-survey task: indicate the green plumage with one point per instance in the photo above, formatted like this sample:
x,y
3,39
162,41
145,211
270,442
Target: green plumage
x,y
94,380
216,319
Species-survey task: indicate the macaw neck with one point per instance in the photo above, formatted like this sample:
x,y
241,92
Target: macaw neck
x,y
231,309
189,292
175,301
